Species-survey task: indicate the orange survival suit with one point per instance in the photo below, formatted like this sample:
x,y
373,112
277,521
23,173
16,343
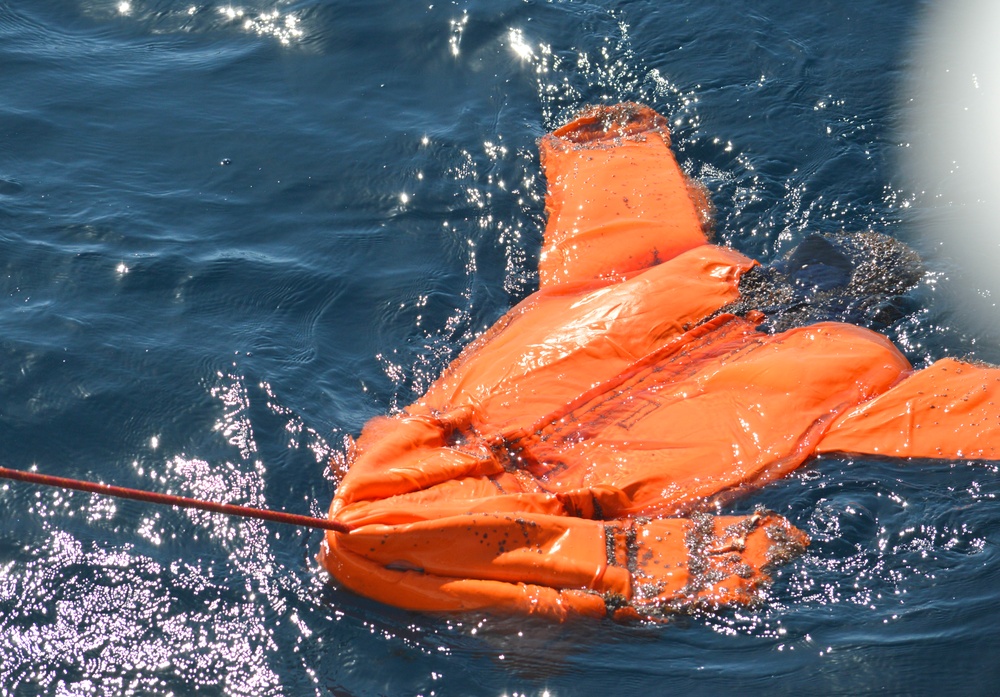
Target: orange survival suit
x,y
563,463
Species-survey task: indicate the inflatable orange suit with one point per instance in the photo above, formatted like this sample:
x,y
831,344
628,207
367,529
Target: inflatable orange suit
x,y
565,463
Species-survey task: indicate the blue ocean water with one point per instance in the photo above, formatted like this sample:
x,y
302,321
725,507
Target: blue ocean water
x,y
232,233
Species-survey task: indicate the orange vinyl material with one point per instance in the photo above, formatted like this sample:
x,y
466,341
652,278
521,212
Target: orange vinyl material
x,y
546,470
949,410
615,204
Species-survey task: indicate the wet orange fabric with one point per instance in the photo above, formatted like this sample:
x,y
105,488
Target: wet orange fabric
x,y
543,471
614,205
949,410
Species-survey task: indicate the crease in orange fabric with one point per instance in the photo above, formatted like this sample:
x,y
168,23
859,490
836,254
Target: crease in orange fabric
x,y
565,463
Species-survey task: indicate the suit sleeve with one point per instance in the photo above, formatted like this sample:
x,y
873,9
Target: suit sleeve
x,y
950,410
617,200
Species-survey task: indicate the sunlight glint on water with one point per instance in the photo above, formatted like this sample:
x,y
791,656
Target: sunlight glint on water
x,y
379,206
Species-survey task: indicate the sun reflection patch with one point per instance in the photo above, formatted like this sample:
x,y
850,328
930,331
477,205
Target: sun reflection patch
x,y
519,46
144,600
284,27
90,620
456,29
265,19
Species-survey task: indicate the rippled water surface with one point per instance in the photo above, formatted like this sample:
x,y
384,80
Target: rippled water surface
x,y
232,233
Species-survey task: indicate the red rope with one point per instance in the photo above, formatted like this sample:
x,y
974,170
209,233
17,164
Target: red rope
x,y
170,500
